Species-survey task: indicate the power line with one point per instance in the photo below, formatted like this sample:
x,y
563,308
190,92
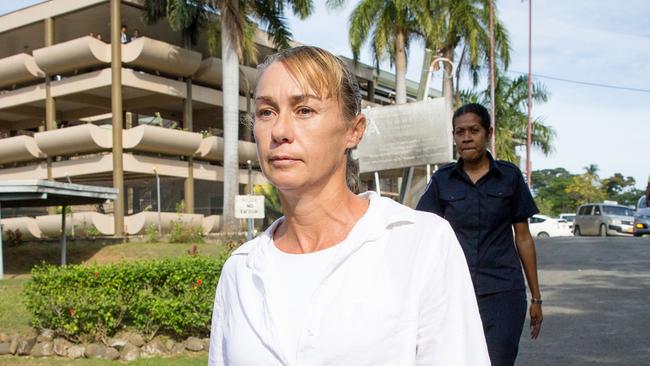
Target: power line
x,y
583,82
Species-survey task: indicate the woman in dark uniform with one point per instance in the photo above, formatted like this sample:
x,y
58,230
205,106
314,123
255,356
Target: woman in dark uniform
x,y
484,199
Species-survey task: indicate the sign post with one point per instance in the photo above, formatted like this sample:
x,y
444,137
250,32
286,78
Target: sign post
x,y
249,207
406,135
250,192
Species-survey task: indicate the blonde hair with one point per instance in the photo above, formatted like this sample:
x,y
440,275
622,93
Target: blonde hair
x,y
318,70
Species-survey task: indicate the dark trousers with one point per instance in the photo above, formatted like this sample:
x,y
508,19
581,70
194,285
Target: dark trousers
x,y
503,316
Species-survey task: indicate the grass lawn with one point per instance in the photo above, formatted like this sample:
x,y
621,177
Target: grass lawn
x,y
14,317
189,360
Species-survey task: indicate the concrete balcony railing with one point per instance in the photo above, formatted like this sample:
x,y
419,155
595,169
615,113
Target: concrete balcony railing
x,y
210,73
212,149
88,139
142,53
18,149
161,140
86,53
18,69
50,225
138,223
72,55
81,139
150,54
27,226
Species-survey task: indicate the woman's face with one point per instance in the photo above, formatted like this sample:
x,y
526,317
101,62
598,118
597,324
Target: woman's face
x,y
301,139
470,137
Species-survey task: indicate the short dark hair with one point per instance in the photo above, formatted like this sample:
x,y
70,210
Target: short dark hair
x,y
478,110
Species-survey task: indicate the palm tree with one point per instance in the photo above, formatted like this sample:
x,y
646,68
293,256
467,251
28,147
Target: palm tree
x,y
230,26
236,34
187,17
462,26
390,25
511,111
591,172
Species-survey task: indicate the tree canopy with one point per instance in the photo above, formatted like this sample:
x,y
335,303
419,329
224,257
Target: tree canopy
x,y
557,191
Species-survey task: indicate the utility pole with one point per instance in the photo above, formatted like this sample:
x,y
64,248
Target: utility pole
x,y
529,139
493,140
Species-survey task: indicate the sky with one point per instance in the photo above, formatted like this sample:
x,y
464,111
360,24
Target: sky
x,y
591,41
594,41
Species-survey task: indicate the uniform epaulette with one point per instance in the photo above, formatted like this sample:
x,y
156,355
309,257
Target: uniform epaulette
x,y
507,164
447,166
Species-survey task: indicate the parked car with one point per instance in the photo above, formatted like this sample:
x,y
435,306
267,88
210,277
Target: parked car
x,y
542,226
642,217
604,219
570,218
642,202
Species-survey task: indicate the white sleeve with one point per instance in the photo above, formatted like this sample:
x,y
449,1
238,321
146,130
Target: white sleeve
x,y
216,356
450,331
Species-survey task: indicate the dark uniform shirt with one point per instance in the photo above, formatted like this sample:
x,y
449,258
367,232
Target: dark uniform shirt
x,y
482,216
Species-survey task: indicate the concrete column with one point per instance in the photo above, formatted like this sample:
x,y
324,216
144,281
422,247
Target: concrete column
x,y
50,106
371,91
189,187
116,111
188,125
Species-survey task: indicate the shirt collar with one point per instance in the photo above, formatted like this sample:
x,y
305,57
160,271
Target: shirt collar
x,y
494,167
370,227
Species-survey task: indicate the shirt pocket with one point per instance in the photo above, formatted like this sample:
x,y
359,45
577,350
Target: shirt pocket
x,y
499,203
456,208
452,195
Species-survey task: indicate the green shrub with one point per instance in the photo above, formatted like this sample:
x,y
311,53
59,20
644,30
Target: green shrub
x,y
86,230
182,232
83,303
151,233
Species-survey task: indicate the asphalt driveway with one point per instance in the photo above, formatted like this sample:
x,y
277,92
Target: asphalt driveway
x,y
596,303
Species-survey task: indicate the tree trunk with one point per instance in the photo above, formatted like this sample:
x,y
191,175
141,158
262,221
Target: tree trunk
x,y
459,67
400,68
448,82
230,64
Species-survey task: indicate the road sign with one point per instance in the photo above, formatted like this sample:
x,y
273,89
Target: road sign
x,y
249,207
406,135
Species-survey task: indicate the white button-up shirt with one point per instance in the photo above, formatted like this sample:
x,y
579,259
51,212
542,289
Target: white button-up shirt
x,y
398,293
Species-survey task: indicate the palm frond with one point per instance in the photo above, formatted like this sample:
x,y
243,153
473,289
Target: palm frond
x,y
361,23
232,24
153,11
302,8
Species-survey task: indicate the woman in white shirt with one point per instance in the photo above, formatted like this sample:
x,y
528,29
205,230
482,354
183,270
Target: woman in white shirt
x,y
341,279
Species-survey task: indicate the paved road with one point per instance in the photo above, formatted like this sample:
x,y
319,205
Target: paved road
x,y
596,303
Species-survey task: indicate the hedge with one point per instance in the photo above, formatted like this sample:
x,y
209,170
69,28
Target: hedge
x,y
170,296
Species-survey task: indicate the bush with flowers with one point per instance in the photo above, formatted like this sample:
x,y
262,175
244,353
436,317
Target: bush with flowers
x,y
83,303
